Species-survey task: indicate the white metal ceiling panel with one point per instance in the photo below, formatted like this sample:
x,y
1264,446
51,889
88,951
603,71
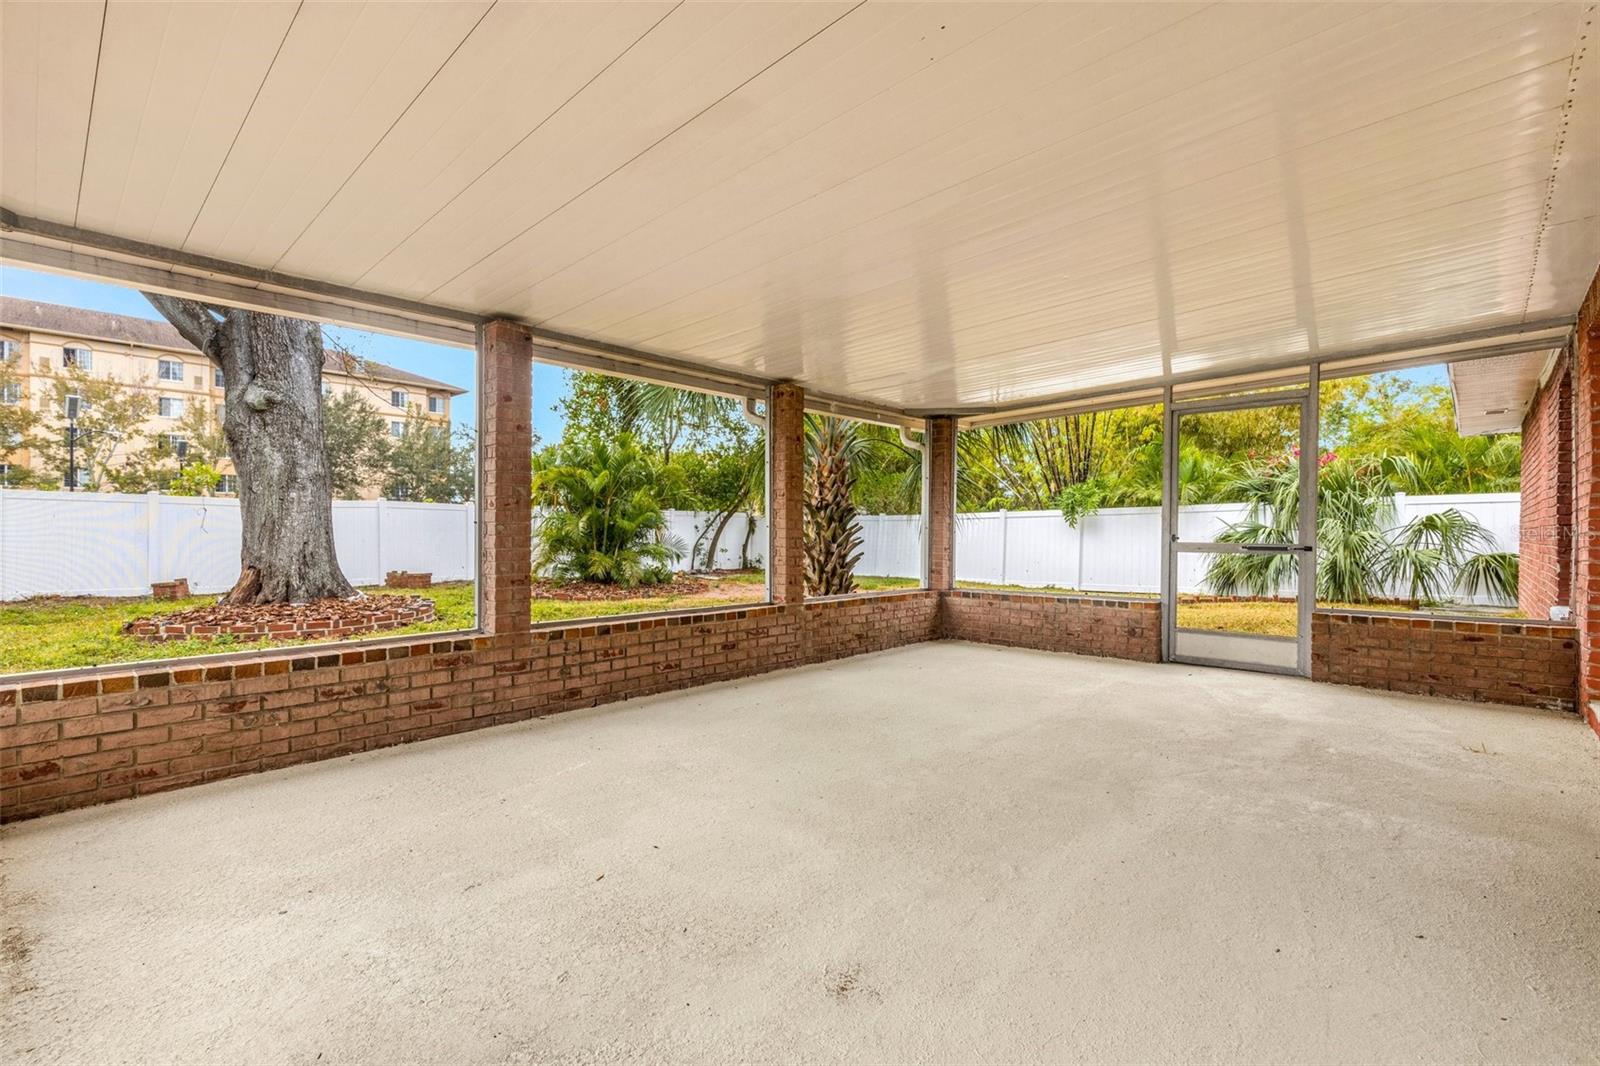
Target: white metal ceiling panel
x,y
175,81
1491,395
48,55
921,205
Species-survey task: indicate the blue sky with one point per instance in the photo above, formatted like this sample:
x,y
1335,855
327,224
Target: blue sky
x,y
453,365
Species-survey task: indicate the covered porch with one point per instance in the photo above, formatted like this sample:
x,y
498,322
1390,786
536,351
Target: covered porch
x,y
944,852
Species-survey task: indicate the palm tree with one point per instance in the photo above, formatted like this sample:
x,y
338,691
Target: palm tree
x,y
606,525
832,534
675,410
1361,555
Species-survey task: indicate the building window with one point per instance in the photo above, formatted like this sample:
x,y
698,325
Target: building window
x,y
228,484
436,405
397,429
81,358
75,479
169,370
11,393
217,378
327,391
170,407
8,351
176,443
397,398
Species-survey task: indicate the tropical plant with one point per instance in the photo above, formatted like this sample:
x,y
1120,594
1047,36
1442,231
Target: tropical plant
x,y
724,469
832,534
605,524
1362,555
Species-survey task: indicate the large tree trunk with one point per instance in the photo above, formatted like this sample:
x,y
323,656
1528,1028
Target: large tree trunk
x,y
272,375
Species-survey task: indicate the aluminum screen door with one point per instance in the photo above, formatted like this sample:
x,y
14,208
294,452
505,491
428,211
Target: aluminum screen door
x,y
1240,574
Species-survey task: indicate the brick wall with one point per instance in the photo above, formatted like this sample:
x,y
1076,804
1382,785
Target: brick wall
x,y
66,744
1546,544
1527,664
1118,628
1586,501
840,626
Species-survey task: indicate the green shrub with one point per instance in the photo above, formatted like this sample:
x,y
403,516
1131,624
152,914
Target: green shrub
x,y
605,523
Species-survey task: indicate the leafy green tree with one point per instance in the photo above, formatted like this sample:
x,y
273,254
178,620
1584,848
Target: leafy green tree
x,y
604,523
662,420
428,464
357,439
202,432
888,475
1045,463
110,449
18,425
195,479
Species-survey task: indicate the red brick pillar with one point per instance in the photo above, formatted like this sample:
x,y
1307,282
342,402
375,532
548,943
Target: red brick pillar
x,y
1545,576
505,447
940,442
1586,501
786,439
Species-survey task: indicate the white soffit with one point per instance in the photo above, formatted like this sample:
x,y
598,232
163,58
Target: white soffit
x,y
921,206
1493,395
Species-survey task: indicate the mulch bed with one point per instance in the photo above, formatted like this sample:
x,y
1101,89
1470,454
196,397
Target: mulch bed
x,y
320,619
680,585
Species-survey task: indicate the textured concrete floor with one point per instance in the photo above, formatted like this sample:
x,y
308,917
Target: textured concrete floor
x,y
943,853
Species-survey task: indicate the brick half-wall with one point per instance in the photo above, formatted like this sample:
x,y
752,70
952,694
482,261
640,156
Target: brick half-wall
x,y
1545,573
73,743
1524,663
1107,626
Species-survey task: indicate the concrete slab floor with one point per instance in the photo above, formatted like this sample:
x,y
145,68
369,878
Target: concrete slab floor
x,y
943,853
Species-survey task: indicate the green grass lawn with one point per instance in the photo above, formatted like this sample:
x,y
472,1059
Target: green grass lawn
x,y
52,633
1279,619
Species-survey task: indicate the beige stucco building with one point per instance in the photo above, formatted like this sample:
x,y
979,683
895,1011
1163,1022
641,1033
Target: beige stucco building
x,y
41,342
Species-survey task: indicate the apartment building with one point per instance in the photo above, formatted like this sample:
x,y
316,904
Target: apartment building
x,y
42,342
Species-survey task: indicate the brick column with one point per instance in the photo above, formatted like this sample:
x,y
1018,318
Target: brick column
x,y
505,447
940,442
1586,501
1545,578
786,441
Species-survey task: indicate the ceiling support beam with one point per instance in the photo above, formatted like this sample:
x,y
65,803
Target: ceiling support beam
x,y
54,246
1450,348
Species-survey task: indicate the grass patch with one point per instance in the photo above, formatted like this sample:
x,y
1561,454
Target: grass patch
x,y
1257,617
1269,618
61,633
58,633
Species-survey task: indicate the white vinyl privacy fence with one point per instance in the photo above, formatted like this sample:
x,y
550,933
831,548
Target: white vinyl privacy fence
x,y
1119,549
110,544
106,544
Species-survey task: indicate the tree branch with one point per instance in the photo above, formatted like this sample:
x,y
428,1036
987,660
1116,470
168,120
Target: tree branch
x,y
190,318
